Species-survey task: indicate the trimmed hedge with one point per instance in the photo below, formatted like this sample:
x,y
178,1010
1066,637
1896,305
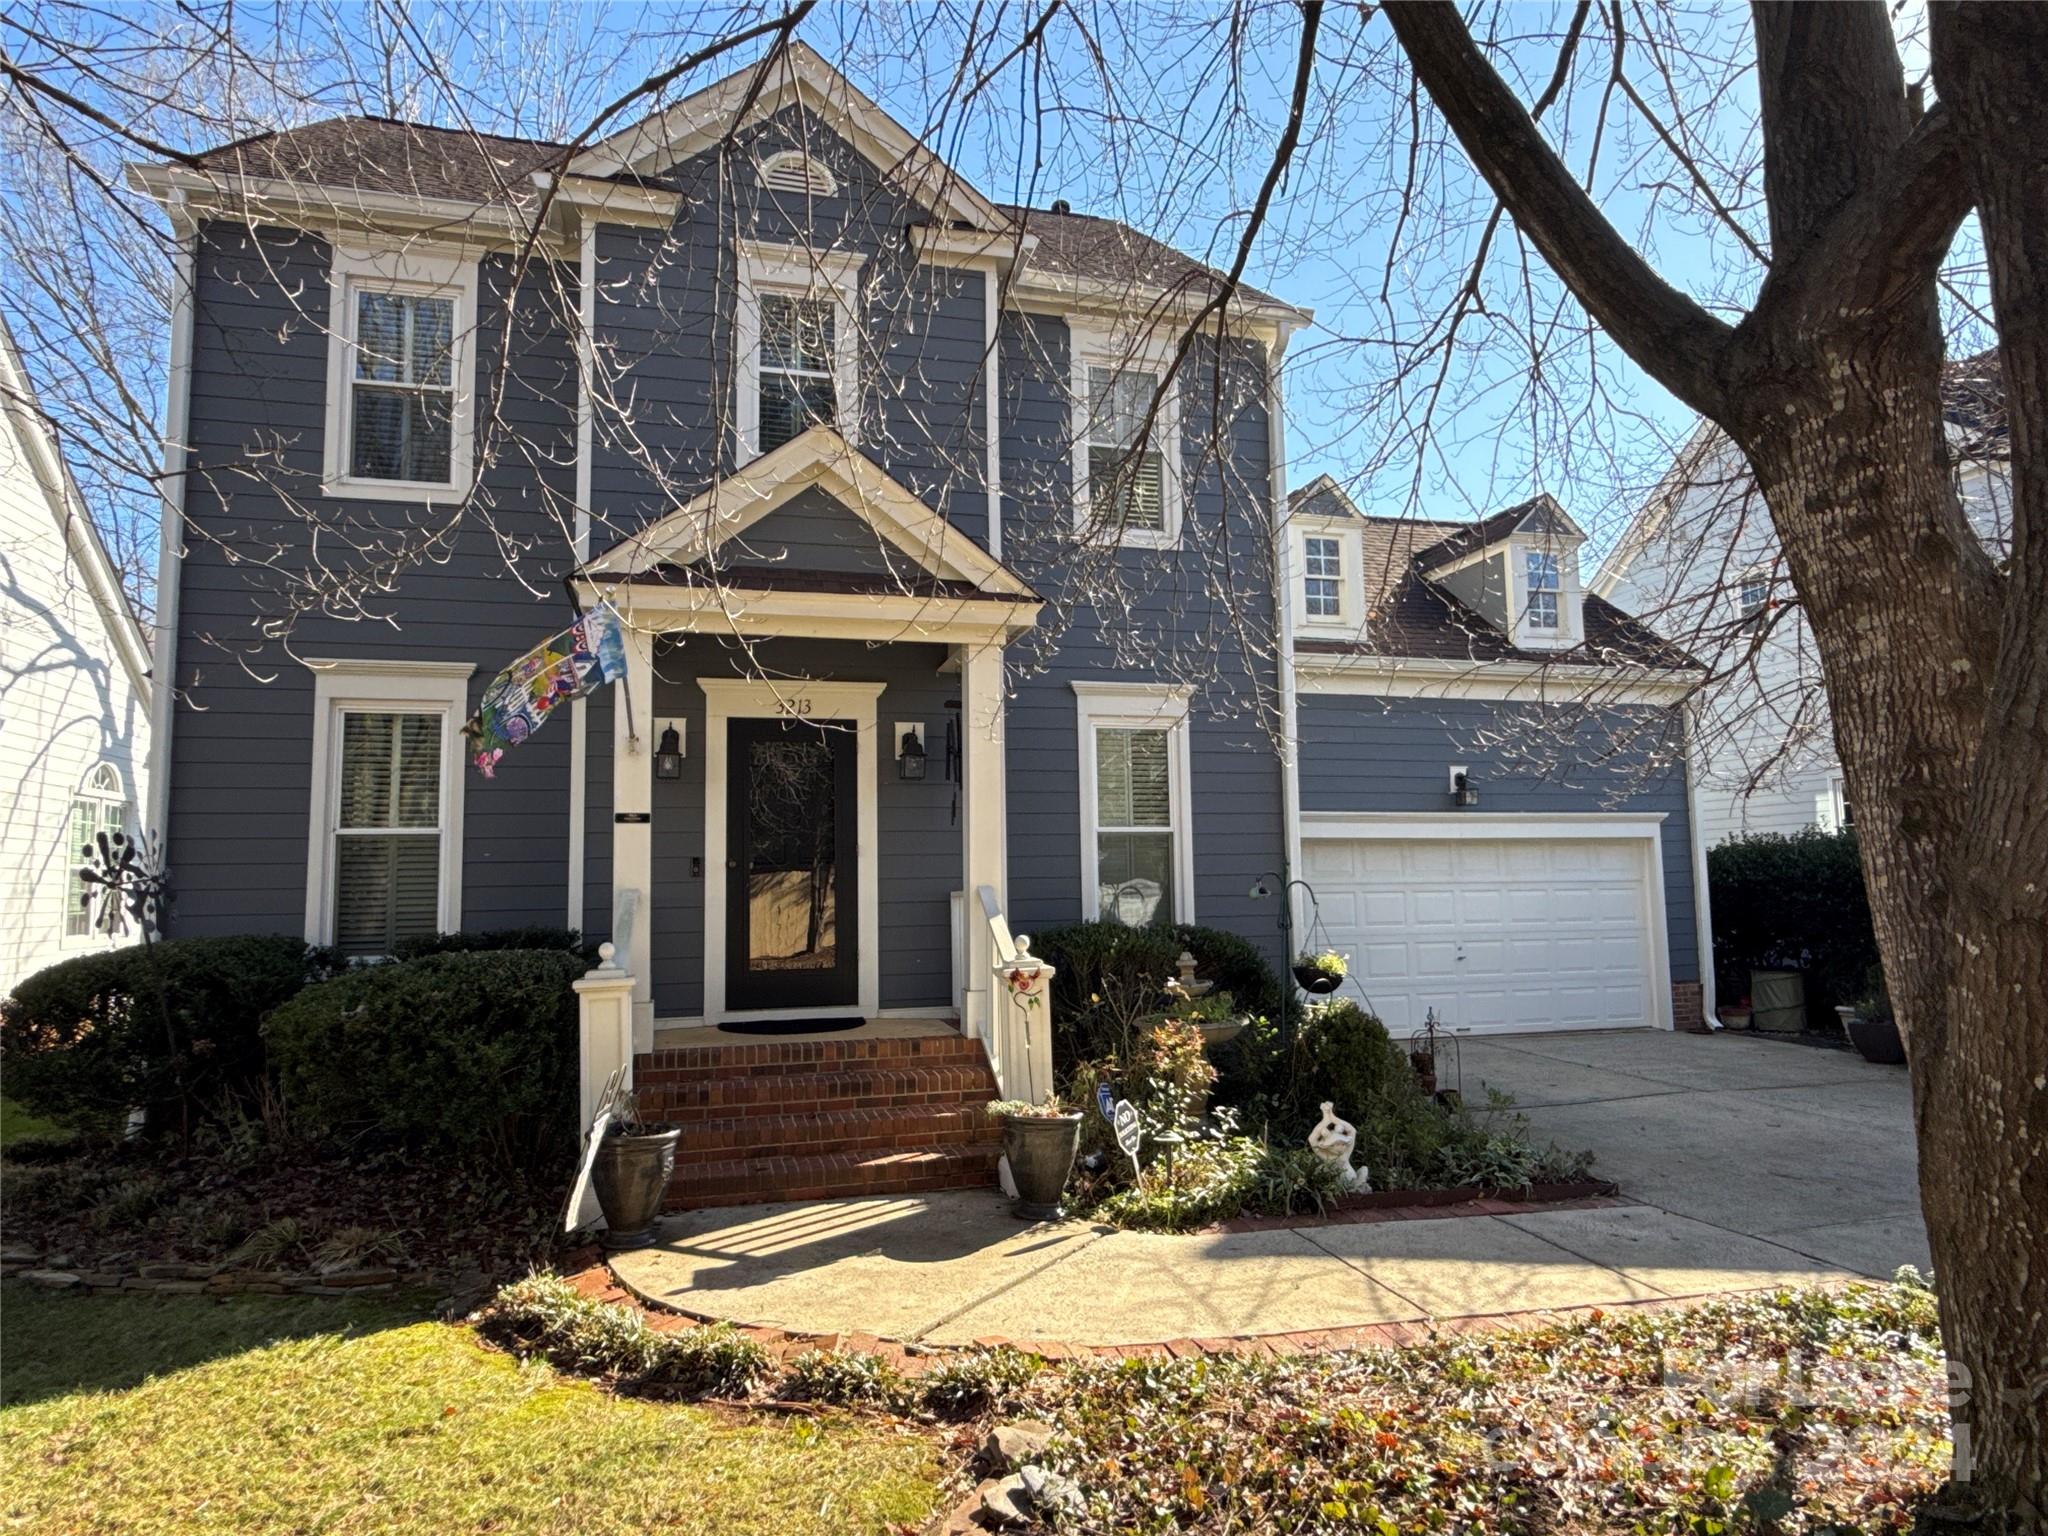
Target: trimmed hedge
x,y
87,1037
1110,976
535,937
470,1054
1792,903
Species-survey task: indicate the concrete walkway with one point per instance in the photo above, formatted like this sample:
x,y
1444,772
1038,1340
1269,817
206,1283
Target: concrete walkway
x,y
1759,1165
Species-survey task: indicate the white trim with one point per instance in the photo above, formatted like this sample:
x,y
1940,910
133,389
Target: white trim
x,y
1702,899
416,687
991,296
739,610
1349,621
1645,828
1290,763
1108,300
824,459
170,544
659,142
1570,632
729,699
799,272
1143,707
433,272
1523,681
816,175
1093,346
579,811
945,247
586,426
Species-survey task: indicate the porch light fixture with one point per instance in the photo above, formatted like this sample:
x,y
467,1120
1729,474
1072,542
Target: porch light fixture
x,y
1463,794
910,759
668,755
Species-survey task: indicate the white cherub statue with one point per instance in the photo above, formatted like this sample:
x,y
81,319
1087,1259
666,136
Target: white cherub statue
x,y
1333,1140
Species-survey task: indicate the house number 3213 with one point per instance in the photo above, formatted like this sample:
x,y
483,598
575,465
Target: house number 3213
x,y
796,707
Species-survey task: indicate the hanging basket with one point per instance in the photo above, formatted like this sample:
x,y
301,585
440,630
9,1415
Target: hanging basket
x,y
1314,982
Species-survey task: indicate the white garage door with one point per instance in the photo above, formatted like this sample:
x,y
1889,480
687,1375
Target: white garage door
x,y
1496,936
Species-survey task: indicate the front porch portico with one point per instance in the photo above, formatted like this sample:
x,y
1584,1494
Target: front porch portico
x,y
894,619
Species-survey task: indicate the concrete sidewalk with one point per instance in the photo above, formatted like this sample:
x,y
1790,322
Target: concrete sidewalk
x,y
1759,1165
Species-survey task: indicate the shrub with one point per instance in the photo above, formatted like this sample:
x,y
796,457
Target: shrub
x,y
546,1315
87,1037
1110,981
1792,903
977,1381
848,1379
533,937
1215,1179
466,1053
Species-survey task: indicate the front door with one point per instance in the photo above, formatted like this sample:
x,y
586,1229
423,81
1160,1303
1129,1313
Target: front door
x,y
792,939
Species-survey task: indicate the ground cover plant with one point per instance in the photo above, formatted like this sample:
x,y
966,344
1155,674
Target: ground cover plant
x,y
178,1414
1791,1414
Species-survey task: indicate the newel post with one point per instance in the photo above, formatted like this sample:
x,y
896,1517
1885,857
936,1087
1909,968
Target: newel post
x,y
604,999
1022,1034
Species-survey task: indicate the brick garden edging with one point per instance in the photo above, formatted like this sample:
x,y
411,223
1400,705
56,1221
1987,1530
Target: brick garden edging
x,y
173,1278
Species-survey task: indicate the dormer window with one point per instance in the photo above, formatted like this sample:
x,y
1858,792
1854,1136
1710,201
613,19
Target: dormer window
x,y
1545,589
797,345
795,172
1323,577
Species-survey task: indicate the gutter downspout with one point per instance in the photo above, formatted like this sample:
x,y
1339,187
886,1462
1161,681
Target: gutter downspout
x,y
1702,901
579,732
171,523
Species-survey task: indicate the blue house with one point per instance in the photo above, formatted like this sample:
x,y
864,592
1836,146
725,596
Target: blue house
x,y
957,596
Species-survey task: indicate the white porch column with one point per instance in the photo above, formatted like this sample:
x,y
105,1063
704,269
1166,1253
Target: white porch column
x,y
633,826
982,820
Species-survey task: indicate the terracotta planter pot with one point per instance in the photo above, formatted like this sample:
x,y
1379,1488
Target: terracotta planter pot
x,y
1041,1151
630,1177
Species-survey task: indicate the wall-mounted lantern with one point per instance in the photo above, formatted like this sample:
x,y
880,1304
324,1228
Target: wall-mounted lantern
x,y
910,758
1463,794
668,754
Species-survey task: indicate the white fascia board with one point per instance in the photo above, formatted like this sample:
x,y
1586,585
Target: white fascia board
x,y
945,247
611,202
1532,682
1268,321
736,610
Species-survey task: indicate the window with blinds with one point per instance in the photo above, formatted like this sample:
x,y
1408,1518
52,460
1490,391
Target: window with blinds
x,y
1134,830
387,835
1126,474
403,407
797,353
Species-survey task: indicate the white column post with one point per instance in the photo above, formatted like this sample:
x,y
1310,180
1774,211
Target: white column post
x,y
633,821
604,1005
982,832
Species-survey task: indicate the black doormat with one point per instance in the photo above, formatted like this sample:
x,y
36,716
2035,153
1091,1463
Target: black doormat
x,y
789,1026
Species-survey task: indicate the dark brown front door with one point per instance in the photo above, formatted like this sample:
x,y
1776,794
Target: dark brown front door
x,y
792,938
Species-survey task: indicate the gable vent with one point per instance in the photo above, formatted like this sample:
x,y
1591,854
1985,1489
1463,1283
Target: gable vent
x,y
795,171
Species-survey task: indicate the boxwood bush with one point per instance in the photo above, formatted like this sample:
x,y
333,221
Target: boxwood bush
x,y
87,1038
468,1054
1792,903
537,936
1111,976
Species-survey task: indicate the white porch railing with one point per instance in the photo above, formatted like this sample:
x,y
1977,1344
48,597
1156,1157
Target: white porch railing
x,y
604,997
1018,1036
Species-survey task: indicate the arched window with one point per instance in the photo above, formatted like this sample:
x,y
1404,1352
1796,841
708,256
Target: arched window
x,y
101,805
795,171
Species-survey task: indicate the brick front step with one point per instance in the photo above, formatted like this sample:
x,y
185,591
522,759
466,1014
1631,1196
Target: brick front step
x,y
856,1052
819,1093
881,1128
831,1175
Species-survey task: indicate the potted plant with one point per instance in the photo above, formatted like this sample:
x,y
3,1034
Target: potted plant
x,y
1737,1017
1318,974
1039,1141
631,1172
1873,1029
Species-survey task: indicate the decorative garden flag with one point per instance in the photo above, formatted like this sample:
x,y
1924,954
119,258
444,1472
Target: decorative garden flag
x,y
582,658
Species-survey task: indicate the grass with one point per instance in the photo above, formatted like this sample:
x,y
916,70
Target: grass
x,y
179,1414
17,1124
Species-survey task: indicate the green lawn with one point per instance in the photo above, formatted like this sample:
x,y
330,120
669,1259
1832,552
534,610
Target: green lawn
x,y
17,1124
180,1414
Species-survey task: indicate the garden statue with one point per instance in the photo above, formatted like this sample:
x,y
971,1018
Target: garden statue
x,y
1333,1141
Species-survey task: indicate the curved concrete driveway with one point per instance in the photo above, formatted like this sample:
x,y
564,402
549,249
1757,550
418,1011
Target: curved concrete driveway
x,y
1757,1165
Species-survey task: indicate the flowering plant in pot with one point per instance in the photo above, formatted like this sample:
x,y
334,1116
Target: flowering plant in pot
x,y
1039,1141
631,1172
1320,973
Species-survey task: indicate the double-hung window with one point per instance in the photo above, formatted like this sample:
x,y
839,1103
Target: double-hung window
x,y
797,345
1126,470
385,863
1753,597
400,370
1134,788
1322,577
1545,586
101,807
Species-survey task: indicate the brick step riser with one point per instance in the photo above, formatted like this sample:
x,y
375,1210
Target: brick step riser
x,y
736,1098
909,1130
759,1062
968,1171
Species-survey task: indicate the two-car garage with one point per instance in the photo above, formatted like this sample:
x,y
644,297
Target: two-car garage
x,y
1501,924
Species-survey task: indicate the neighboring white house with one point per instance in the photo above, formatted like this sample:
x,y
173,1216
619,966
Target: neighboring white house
x,y
74,693
1700,564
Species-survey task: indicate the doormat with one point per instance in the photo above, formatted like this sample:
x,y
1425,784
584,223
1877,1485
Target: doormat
x,y
789,1026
